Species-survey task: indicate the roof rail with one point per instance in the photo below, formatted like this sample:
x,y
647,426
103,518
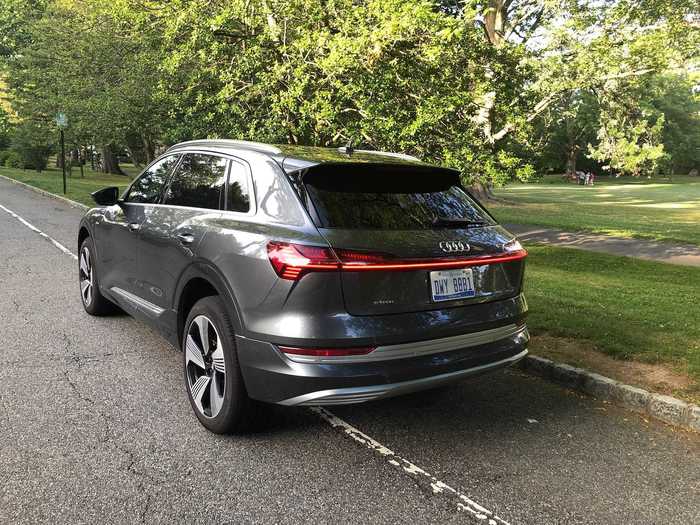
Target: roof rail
x,y
402,156
228,143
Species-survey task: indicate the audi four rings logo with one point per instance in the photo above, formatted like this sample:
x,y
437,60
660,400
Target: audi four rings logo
x,y
454,246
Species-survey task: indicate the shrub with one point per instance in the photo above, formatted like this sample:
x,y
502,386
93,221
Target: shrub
x,y
14,160
3,156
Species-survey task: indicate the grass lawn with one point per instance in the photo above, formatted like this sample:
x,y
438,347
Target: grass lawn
x,y
660,210
79,189
626,308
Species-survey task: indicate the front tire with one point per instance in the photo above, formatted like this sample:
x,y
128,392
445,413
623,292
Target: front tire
x,y
93,300
213,377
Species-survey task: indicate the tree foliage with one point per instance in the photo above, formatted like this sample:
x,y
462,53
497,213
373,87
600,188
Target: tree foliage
x,y
487,86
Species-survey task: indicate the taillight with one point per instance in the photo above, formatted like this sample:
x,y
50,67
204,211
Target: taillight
x,y
291,261
326,352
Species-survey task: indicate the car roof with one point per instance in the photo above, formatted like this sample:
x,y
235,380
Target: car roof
x,y
293,157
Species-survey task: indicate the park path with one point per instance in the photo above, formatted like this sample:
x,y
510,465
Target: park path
x,y
667,252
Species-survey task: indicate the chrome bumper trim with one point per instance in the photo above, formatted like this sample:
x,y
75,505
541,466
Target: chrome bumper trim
x,y
352,395
419,348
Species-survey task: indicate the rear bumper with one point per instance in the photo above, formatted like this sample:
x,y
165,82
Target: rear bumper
x,y
272,377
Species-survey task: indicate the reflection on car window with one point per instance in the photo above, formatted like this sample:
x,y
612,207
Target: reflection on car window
x,y
384,199
149,185
238,195
198,182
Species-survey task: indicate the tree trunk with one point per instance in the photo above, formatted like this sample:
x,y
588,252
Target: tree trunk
x,y
110,162
495,19
571,157
134,157
148,149
483,192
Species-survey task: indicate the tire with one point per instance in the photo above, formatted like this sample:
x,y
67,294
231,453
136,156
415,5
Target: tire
x,y
93,301
212,373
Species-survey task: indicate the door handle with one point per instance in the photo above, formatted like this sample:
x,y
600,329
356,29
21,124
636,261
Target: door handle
x,y
185,237
134,226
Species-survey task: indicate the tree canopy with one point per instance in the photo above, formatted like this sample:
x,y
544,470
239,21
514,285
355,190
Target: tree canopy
x,y
500,89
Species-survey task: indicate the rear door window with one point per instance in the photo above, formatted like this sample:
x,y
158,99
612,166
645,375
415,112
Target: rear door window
x,y
238,192
198,182
148,187
391,198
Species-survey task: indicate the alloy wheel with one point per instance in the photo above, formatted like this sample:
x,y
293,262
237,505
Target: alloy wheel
x,y
205,366
86,276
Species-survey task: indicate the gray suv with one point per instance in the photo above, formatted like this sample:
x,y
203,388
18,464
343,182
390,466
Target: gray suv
x,y
306,276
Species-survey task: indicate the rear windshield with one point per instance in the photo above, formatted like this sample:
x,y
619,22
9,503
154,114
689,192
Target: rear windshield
x,y
391,198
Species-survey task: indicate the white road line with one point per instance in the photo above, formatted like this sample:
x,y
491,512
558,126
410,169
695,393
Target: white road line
x,y
37,230
463,502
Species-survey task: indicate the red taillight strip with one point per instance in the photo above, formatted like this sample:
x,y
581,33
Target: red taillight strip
x,y
436,264
290,261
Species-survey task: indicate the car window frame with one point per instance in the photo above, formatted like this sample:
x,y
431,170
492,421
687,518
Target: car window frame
x,y
171,176
252,190
252,201
126,192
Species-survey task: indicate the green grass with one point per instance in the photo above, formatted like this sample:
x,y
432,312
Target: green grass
x,y
79,189
660,210
628,308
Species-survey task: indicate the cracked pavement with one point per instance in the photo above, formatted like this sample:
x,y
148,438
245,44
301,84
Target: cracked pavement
x,y
95,426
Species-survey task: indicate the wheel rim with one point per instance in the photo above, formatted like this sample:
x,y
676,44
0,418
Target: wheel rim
x,y
86,276
205,366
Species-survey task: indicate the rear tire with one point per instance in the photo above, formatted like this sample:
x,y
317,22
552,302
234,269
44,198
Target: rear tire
x,y
212,372
93,301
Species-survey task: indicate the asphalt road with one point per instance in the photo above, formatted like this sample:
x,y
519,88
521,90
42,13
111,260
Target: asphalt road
x,y
95,426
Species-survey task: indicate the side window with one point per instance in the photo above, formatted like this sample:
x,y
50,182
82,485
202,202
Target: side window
x,y
238,192
148,187
198,182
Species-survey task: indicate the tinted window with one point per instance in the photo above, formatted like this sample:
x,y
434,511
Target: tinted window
x,y
238,194
198,182
391,198
148,187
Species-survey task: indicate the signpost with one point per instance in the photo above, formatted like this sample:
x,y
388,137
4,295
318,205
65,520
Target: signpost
x,y
62,123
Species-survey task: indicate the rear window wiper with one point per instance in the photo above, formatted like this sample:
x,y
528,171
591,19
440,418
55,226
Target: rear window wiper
x,y
456,222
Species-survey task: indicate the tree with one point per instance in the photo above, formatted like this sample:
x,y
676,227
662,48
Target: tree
x,y
31,142
5,129
78,60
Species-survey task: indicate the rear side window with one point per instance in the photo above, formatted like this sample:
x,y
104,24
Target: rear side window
x,y
238,192
149,186
391,198
199,182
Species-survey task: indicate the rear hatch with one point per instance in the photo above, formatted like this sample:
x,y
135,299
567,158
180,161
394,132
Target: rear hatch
x,y
410,238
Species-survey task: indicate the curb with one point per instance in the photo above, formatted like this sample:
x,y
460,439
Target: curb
x,y
47,193
666,408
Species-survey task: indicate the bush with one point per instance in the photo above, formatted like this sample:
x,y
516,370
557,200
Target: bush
x,y
3,156
14,160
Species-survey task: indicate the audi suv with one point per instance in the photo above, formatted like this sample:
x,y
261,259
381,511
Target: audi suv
x,y
306,276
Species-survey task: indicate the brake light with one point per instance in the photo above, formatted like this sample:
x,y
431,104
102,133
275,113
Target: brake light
x,y
326,352
290,261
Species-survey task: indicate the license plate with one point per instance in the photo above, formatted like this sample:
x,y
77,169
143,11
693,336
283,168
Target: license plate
x,y
449,285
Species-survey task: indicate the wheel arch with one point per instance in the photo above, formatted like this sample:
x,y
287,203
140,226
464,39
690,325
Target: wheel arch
x,y
83,233
201,280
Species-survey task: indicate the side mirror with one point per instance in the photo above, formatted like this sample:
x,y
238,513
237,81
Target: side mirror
x,y
106,196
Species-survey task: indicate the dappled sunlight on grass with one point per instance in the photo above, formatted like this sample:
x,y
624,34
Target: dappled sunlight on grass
x,y
633,208
689,205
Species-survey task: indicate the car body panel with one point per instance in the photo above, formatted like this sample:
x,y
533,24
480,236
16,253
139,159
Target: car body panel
x,y
152,267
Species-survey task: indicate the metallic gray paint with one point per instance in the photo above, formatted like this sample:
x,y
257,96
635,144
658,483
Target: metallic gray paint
x,y
140,253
